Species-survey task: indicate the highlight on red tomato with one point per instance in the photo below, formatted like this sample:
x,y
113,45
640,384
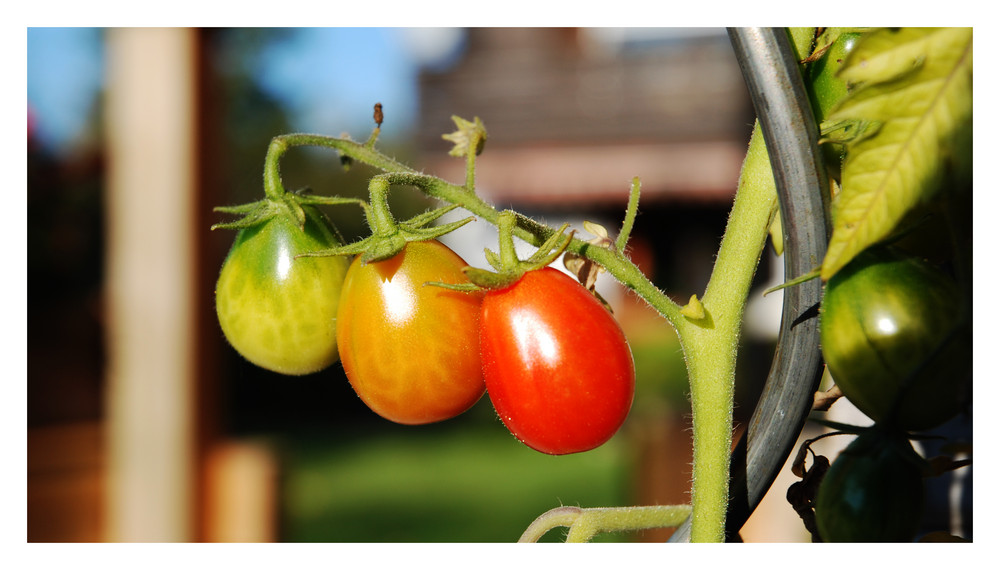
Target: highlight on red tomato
x,y
558,368
276,310
410,350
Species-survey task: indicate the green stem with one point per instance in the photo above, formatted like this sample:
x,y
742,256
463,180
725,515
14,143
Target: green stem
x,y
505,225
380,219
272,171
710,344
470,164
584,524
630,212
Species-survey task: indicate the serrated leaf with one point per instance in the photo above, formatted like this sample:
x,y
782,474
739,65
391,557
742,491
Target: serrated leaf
x,y
917,83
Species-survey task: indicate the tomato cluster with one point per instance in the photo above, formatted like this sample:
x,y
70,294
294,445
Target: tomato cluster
x,y
895,333
556,364
895,341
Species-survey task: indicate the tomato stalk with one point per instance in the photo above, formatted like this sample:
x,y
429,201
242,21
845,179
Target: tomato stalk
x,y
710,343
585,523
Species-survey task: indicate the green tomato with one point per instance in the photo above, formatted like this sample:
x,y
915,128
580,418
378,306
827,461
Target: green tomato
x,y
279,311
873,492
826,88
892,337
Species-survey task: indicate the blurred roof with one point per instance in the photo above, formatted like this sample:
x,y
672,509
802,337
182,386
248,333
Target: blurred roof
x,y
571,117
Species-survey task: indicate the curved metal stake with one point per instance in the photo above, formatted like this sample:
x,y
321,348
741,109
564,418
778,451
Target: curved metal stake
x,y
772,75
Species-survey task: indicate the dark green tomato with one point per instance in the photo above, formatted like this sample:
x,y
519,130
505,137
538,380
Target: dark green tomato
x,y
873,492
891,337
825,87
277,311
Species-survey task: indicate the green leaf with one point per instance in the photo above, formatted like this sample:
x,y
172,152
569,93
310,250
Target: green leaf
x,y
917,84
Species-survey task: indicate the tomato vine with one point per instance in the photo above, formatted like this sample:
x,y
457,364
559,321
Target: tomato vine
x,y
709,343
709,325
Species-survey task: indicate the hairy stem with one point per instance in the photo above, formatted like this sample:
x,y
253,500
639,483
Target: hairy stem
x,y
710,344
584,524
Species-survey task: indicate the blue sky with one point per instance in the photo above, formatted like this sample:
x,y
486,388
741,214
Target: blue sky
x,y
65,70
328,78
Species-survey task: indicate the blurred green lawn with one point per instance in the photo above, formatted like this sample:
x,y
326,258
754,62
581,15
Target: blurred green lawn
x,y
472,482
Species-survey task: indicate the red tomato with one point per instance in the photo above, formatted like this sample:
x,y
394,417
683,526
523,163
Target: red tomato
x,y
411,351
557,366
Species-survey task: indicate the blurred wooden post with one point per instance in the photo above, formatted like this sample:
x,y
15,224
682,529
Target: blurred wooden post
x,y
150,119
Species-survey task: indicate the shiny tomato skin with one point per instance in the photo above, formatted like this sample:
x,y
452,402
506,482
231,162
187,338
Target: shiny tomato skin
x,y
825,86
278,311
889,331
410,350
558,368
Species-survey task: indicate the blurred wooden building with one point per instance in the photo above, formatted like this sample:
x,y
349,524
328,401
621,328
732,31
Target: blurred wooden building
x,y
573,114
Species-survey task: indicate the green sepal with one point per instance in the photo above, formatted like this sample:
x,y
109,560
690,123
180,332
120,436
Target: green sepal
x,y
846,131
350,249
550,250
315,200
796,281
838,426
290,204
253,214
469,134
493,259
429,216
462,287
485,279
509,271
382,247
242,208
294,209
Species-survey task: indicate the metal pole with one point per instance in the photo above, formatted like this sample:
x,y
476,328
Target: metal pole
x,y
772,75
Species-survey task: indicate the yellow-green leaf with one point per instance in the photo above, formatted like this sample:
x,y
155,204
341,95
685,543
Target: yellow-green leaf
x,y
916,83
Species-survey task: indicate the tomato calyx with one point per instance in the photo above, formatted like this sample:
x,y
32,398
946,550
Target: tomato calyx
x,y
508,268
470,138
385,244
288,204
388,236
